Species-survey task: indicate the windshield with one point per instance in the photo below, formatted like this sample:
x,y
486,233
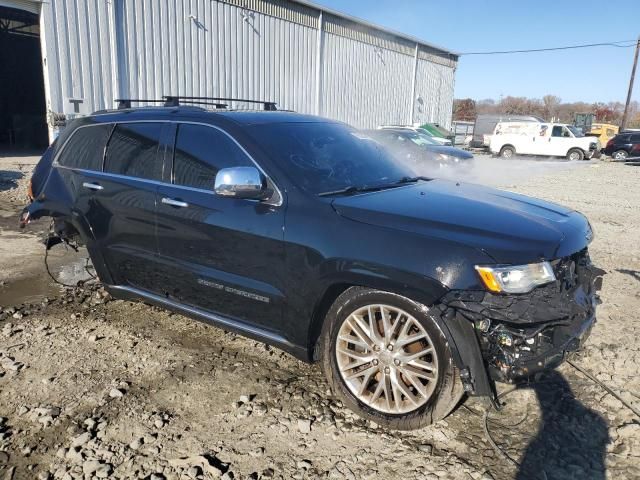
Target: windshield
x,y
324,157
423,139
576,131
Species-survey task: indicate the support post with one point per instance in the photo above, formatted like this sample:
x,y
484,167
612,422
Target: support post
x,y
625,116
412,100
319,63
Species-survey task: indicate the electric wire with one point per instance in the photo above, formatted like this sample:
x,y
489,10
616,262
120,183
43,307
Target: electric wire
x,y
486,419
631,43
48,269
605,387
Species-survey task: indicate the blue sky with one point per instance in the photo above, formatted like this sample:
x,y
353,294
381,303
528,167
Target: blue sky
x,y
594,74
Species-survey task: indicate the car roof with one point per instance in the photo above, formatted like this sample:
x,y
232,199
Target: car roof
x,y
242,117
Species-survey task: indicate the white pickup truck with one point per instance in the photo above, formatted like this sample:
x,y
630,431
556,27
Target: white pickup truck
x,y
547,139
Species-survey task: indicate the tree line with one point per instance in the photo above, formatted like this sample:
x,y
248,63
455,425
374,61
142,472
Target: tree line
x,y
549,107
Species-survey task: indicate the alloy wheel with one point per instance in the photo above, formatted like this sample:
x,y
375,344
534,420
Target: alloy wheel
x,y
387,359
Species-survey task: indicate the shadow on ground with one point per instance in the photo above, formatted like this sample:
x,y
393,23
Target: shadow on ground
x,y
9,179
632,273
572,439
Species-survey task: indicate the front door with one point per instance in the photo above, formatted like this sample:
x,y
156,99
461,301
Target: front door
x,y
560,141
219,254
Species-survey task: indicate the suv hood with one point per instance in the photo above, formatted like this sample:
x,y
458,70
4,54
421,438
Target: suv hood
x,y
511,228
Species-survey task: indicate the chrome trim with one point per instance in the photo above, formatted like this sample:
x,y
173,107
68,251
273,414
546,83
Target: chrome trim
x,y
216,319
174,203
240,182
92,186
56,164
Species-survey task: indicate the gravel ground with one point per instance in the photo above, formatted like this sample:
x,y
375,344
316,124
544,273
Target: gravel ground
x,y
92,387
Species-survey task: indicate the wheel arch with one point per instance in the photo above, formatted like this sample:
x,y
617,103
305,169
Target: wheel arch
x,y
428,293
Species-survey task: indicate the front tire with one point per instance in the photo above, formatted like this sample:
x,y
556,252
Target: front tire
x,y
575,154
386,358
620,155
507,151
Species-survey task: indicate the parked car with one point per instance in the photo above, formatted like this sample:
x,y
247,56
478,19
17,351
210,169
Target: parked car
x,y
438,139
419,150
436,130
623,146
303,233
545,139
485,125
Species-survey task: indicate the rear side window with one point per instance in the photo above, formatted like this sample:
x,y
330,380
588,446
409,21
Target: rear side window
x,y
133,151
85,148
635,138
201,151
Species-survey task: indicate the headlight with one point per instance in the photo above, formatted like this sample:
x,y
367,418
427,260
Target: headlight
x,y
447,158
516,279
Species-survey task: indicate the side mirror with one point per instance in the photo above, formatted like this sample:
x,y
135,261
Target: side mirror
x,y
241,182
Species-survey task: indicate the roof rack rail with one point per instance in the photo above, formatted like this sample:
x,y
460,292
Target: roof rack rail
x,y
126,102
175,100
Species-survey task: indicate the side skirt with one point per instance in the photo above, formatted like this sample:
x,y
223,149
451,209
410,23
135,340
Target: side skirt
x,y
130,293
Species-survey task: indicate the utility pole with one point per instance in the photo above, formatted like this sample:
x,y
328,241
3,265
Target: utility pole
x,y
623,124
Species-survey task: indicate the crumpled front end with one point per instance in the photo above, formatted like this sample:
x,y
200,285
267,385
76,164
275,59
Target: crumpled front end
x,y
522,334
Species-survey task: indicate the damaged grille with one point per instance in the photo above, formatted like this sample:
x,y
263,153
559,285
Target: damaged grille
x,y
525,333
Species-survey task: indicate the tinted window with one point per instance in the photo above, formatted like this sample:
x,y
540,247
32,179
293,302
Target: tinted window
x,y
133,149
200,152
323,157
557,131
635,138
85,149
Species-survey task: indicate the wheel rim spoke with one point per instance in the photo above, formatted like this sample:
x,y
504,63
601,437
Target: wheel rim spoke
x,y
386,358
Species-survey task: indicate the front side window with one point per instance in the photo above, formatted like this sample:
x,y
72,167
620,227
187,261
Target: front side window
x,y
201,151
576,132
85,148
323,157
557,131
133,151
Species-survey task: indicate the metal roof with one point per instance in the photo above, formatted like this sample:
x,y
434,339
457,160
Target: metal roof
x,y
376,27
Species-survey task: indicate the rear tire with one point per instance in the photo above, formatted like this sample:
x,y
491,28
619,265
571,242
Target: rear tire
x,y
575,154
507,151
620,155
406,398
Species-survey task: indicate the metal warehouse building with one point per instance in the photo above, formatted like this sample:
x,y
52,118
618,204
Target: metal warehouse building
x,y
63,58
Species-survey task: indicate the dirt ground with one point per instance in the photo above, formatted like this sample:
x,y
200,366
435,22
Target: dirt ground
x,y
92,387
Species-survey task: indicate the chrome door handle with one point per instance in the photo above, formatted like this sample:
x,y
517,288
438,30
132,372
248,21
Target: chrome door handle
x,y
174,203
92,186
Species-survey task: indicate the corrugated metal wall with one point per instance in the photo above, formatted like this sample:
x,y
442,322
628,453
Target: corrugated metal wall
x,y
434,93
98,50
365,85
78,54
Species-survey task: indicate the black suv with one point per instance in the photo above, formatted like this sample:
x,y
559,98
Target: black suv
x,y
624,145
304,233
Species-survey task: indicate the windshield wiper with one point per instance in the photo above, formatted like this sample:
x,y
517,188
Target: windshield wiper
x,y
371,188
404,180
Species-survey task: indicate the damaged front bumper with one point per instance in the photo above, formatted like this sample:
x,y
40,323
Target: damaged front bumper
x,y
522,334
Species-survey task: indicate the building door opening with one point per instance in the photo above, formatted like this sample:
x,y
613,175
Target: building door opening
x,y
23,125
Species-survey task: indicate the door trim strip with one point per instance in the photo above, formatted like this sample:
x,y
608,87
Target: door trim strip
x,y
215,319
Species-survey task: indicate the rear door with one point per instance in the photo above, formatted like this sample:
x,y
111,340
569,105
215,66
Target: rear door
x,y
120,202
219,254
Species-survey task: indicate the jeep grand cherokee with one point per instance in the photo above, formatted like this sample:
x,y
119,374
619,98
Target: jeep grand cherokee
x,y
304,233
